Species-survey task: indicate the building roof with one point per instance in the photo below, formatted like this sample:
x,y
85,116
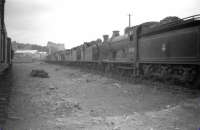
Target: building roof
x,y
26,51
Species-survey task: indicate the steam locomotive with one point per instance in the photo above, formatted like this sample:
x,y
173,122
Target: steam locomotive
x,y
168,50
5,42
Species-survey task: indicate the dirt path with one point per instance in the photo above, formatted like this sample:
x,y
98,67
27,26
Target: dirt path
x,y
71,99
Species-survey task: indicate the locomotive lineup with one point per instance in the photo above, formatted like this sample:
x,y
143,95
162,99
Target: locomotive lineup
x,y
168,50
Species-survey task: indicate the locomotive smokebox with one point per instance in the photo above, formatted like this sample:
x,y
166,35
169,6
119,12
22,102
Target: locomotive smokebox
x,y
105,38
115,34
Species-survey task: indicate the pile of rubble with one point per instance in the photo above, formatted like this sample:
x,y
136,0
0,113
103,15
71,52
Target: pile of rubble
x,y
39,73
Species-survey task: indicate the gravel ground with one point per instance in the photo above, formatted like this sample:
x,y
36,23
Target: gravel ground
x,y
71,99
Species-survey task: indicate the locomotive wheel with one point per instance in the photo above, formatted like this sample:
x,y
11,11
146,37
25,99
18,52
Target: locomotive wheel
x,y
186,75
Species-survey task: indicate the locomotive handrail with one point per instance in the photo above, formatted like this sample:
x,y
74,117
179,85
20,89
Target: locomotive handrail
x,y
192,17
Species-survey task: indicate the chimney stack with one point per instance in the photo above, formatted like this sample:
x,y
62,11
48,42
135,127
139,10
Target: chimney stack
x,y
115,34
105,38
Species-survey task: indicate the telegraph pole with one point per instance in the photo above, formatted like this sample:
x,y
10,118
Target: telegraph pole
x,y
129,16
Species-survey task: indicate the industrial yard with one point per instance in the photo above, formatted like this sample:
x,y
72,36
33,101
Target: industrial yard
x,y
80,65
74,99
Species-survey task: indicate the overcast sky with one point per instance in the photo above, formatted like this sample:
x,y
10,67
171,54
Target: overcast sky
x,y
74,21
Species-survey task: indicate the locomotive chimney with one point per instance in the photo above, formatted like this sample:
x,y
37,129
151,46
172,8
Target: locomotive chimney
x,y
105,38
115,34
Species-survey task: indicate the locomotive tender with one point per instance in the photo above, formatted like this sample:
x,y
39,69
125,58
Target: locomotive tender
x,y
5,42
168,50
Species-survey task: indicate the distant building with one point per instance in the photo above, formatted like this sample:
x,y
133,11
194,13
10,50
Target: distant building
x,y
28,55
53,47
25,52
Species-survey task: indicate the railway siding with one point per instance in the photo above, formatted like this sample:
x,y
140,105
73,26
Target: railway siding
x,y
74,99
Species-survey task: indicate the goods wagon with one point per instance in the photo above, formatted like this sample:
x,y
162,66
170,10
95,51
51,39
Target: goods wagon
x,y
74,54
90,51
9,51
67,55
5,42
61,55
104,49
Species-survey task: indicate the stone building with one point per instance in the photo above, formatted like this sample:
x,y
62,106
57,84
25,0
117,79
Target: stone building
x,y
54,47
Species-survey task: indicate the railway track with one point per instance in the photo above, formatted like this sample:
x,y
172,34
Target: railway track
x,y
5,89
